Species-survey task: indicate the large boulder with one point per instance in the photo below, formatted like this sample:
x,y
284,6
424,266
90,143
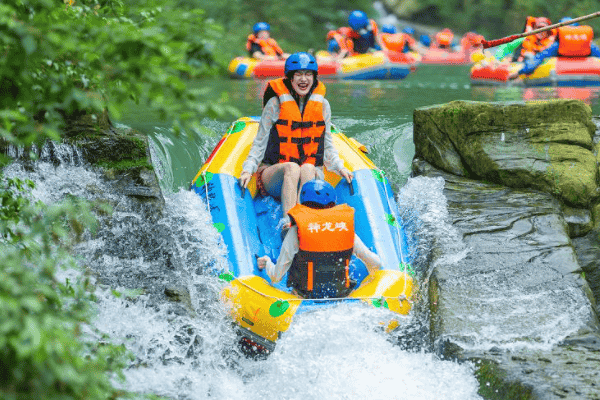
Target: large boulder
x,y
544,145
515,304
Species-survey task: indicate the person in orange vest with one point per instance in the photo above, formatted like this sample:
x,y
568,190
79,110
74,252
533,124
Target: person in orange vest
x,y
294,140
365,33
572,41
443,39
261,45
317,249
399,42
338,42
535,43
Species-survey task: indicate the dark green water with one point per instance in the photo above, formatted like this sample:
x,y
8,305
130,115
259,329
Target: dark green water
x,y
376,113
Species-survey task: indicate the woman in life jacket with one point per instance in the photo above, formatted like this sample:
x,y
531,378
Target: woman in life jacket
x,y
572,40
261,45
444,38
401,42
293,142
364,34
535,43
339,45
317,249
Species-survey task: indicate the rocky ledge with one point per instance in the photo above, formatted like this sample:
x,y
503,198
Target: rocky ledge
x,y
522,186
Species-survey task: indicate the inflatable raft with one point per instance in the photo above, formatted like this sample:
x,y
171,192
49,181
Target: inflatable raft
x,y
445,57
376,65
554,71
248,225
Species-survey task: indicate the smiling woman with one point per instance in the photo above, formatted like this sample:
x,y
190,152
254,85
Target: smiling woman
x,y
293,142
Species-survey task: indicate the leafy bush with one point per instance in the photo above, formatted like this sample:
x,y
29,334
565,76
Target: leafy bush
x,y
44,352
60,61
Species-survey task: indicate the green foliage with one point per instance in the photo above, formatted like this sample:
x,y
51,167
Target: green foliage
x,y
44,352
60,60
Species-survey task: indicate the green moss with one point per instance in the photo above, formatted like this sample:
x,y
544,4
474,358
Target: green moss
x,y
125,165
493,383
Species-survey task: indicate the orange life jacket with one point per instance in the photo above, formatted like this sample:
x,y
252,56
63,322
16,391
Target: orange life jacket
x,y
295,136
343,42
326,242
394,41
444,38
532,44
575,41
268,46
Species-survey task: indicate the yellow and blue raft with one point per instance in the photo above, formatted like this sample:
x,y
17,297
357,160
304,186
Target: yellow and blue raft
x,y
248,225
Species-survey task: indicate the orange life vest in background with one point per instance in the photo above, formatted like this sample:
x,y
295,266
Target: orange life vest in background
x,y
575,41
532,44
326,241
268,47
295,136
444,38
343,42
394,41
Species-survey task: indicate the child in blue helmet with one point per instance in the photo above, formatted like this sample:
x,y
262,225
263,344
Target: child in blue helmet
x,y
293,142
317,249
261,45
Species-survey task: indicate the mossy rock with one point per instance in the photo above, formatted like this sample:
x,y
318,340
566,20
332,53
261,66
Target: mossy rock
x,y
543,145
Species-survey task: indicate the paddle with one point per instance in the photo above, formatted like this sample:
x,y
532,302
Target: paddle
x,y
475,57
497,42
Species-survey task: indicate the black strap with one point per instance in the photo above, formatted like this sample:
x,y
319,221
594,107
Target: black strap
x,y
301,124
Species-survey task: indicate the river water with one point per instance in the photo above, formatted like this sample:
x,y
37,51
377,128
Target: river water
x,y
331,354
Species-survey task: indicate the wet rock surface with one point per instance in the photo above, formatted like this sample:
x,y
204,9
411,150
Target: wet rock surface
x,y
530,267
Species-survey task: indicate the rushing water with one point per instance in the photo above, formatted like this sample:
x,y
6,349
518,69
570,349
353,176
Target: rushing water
x,y
184,350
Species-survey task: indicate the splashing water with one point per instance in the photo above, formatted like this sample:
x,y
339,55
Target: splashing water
x,y
184,350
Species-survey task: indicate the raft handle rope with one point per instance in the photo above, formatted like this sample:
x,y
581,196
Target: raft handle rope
x,y
381,173
401,297
203,174
405,266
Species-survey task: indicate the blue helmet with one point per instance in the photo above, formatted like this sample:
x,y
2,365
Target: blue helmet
x,y
261,26
358,20
565,19
408,30
300,61
317,192
333,46
425,40
388,28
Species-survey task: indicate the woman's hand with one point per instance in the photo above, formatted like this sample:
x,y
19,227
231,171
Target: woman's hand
x,y
245,179
347,175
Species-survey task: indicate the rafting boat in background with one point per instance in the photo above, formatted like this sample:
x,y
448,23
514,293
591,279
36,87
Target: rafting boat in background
x,y
445,57
248,225
554,71
377,65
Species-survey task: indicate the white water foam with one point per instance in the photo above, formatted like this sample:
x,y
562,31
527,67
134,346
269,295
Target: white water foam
x,y
337,353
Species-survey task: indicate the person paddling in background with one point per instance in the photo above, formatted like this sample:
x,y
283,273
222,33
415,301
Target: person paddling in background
x,y
317,249
261,45
364,34
444,38
572,41
294,140
402,42
535,43
338,43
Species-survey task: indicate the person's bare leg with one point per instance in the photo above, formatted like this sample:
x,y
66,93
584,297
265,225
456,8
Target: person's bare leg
x,y
308,172
281,180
